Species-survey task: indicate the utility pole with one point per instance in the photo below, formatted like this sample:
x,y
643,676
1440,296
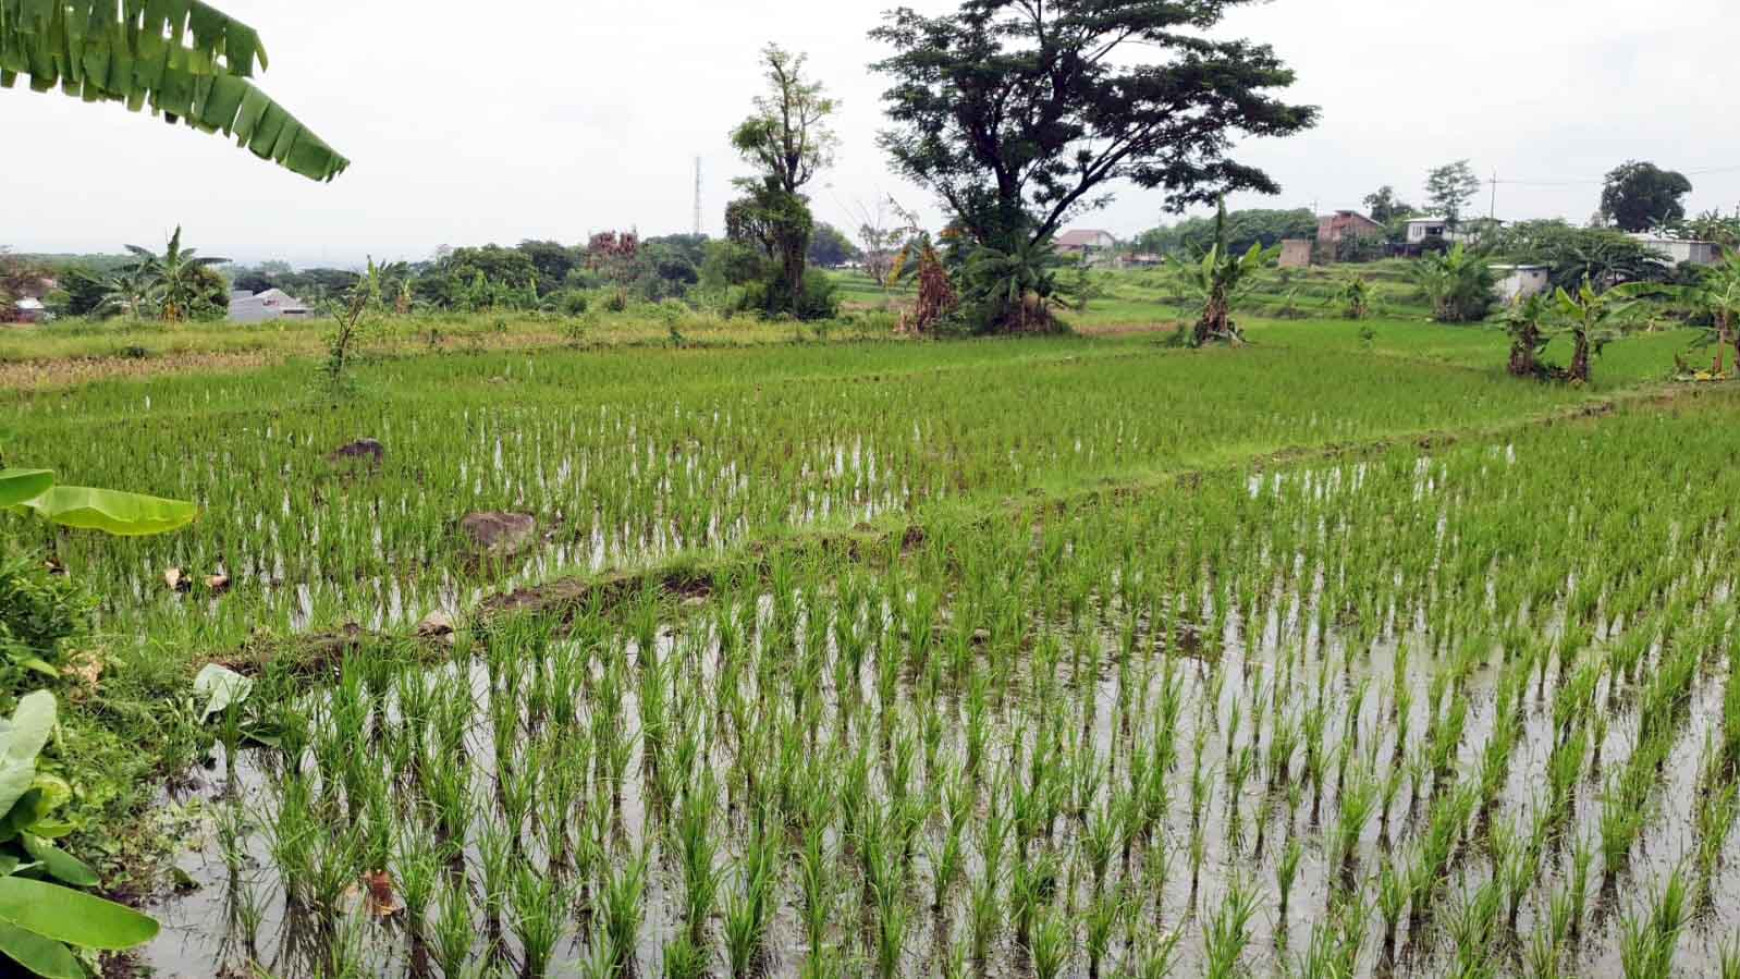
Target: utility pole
x,y
697,196
1494,212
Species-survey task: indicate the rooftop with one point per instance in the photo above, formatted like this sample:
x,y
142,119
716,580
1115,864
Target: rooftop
x,y
1083,237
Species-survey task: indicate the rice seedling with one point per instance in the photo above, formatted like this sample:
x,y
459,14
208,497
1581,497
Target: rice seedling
x,y
1027,724
1728,959
1645,950
1287,872
621,910
453,929
684,959
537,912
1227,932
1052,943
1100,925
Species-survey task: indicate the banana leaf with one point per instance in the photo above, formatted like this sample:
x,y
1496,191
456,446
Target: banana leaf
x,y
70,916
21,740
42,956
113,512
60,864
20,485
170,55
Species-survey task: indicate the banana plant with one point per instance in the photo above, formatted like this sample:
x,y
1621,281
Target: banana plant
x,y
1593,318
1354,297
82,508
177,279
1220,282
188,61
1718,294
45,911
1523,319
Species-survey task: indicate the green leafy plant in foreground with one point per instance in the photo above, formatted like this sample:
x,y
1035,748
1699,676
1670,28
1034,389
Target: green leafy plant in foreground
x,y
110,511
187,61
40,914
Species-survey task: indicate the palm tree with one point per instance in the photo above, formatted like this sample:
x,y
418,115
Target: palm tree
x,y
185,60
178,278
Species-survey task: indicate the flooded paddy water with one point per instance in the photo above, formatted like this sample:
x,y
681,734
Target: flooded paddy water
x,y
1444,714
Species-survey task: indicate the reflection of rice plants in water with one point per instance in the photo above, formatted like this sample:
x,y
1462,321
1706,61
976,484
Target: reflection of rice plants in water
x,y
1457,712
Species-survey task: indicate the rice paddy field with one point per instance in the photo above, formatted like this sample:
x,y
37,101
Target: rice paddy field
x,y
1340,654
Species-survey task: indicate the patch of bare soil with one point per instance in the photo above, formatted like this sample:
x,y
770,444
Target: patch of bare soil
x,y
41,374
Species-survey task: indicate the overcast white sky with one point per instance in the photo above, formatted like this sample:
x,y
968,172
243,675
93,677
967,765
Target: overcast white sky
x,y
477,122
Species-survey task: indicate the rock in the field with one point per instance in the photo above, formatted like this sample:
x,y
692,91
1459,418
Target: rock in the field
x,y
436,625
367,449
498,535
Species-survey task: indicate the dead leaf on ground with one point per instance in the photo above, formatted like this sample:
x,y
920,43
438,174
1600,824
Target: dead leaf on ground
x,y
380,894
84,669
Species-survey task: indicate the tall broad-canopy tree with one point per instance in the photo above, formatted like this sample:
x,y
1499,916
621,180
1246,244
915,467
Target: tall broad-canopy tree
x,y
1449,190
1643,197
1020,114
185,60
1386,206
788,141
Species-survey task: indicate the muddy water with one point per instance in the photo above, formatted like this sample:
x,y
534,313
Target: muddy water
x,y
204,933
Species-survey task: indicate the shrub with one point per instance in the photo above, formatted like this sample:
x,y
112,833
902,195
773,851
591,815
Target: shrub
x,y
573,302
1458,284
40,612
820,299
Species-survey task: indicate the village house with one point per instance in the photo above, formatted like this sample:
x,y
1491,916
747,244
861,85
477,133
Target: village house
x,y
1520,281
1423,230
1093,247
30,310
1335,228
1430,232
250,307
1680,251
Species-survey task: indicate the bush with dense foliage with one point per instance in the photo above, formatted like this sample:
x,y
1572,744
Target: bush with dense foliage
x,y
41,612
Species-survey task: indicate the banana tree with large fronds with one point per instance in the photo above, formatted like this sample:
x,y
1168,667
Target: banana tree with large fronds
x,y
186,60
1593,319
1718,294
1523,320
177,278
1016,289
1220,282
